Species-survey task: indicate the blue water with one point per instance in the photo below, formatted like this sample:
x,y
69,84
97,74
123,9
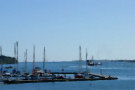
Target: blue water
x,y
123,70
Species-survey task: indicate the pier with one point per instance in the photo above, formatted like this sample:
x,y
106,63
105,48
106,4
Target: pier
x,y
43,79
92,74
55,80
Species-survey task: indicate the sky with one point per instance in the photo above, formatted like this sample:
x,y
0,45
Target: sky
x,y
105,27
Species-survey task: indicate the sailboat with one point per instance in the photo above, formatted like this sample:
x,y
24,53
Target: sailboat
x,y
92,63
79,75
36,70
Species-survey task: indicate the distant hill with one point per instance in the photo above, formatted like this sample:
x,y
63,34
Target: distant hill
x,y
131,60
7,60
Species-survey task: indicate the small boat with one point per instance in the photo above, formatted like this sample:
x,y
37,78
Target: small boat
x,y
79,76
92,63
37,70
8,67
99,63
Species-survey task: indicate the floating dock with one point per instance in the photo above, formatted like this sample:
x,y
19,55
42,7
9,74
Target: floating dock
x,y
55,80
95,77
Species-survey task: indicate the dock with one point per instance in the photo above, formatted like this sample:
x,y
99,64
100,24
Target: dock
x,y
94,77
99,75
55,80
92,74
64,73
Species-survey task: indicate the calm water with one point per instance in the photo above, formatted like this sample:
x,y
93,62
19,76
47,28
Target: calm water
x,y
123,70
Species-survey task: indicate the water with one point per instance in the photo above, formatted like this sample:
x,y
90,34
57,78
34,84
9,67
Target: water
x,y
123,70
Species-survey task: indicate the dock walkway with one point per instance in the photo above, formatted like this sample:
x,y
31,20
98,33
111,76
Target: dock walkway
x,y
92,74
99,75
92,77
54,80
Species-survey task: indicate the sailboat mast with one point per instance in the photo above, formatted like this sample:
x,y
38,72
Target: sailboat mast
x,y
86,61
0,51
92,58
25,61
80,60
44,59
33,57
1,64
17,54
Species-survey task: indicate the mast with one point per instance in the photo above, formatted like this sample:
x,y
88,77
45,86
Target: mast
x,y
33,57
44,59
0,51
92,58
80,60
1,64
86,61
25,61
17,54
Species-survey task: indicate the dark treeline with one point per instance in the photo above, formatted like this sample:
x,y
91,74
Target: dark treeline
x,y
7,60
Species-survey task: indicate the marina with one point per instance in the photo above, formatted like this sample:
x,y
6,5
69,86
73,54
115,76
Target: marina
x,y
43,75
67,45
